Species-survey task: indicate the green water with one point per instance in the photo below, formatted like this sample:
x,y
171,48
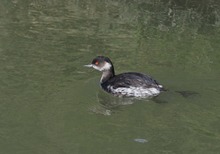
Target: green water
x,y
51,104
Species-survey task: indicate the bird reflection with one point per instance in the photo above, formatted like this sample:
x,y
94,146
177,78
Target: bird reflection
x,y
108,104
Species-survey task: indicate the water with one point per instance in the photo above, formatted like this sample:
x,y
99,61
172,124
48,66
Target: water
x,y
50,103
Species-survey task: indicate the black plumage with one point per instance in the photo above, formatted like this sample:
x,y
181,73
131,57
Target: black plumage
x,y
125,84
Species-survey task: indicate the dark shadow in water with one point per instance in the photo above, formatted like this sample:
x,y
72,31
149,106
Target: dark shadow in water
x,y
184,93
187,94
159,101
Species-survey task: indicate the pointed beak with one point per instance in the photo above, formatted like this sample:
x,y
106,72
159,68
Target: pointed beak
x,y
90,65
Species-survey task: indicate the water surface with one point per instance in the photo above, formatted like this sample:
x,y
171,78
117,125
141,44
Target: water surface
x,y
50,103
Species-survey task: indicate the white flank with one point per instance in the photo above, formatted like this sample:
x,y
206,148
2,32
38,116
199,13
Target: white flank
x,y
134,91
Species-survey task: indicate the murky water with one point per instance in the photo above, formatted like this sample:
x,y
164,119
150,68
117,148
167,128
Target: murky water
x,y
50,103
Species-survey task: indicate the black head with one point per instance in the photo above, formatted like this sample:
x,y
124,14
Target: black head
x,y
101,63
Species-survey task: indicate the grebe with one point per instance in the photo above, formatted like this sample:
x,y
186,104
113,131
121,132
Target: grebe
x,y
130,84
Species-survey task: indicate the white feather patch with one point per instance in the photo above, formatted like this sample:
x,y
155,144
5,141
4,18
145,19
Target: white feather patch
x,y
105,67
135,91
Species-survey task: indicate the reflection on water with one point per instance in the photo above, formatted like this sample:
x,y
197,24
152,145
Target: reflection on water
x,y
48,100
107,103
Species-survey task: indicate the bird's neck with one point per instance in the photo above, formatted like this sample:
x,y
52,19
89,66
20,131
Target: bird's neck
x,y
106,75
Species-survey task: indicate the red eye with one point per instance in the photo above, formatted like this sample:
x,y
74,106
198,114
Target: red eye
x,y
96,62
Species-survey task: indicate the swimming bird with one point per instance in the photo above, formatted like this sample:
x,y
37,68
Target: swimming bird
x,y
129,84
